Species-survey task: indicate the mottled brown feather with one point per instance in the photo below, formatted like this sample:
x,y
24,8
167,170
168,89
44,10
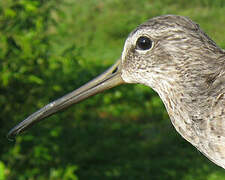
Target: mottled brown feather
x,y
187,69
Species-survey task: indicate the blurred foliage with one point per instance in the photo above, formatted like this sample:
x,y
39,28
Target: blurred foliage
x,y
2,171
48,48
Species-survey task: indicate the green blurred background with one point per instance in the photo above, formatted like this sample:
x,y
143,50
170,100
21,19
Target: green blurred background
x,y
47,49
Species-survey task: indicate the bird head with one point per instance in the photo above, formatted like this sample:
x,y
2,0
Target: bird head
x,y
157,53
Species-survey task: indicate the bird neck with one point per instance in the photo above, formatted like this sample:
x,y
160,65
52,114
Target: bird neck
x,y
189,94
186,109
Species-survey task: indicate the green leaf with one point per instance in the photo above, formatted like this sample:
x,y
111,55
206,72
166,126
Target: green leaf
x,y
35,79
2,171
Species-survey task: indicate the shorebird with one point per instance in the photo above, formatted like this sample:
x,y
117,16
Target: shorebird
x,y
173,56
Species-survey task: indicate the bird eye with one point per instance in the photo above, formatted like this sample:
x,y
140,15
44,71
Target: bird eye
x,y
143,43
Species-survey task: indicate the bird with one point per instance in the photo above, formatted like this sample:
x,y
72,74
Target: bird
x,y
177,59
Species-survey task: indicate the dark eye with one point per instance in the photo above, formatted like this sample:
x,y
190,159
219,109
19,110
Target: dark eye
x,y
143,43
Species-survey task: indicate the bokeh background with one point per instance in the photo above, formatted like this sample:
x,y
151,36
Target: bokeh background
x,y
49,48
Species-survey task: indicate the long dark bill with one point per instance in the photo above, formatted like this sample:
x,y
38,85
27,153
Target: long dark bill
x,y
110,78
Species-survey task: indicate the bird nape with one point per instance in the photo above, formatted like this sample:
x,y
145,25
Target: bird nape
x,y
172,55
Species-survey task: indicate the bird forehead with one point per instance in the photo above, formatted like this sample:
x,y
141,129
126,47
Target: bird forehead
x,y
162,26
171,21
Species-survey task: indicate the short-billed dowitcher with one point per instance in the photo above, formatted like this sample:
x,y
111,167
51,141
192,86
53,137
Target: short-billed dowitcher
x,y
172,55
